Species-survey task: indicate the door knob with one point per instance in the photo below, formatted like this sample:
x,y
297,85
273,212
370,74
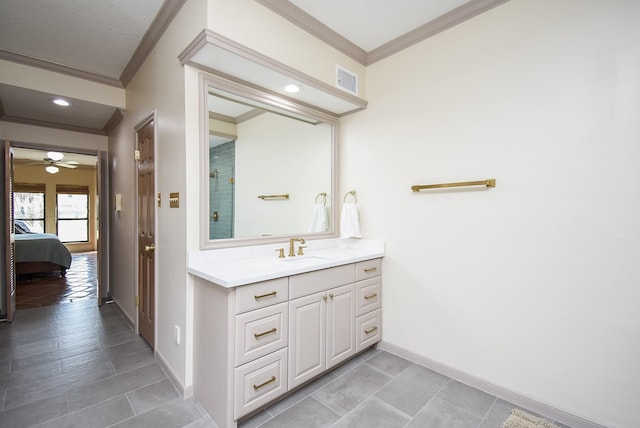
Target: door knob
x,y
149,247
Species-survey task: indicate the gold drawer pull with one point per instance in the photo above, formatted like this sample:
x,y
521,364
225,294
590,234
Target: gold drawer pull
x,y
257,387
371,269
371,330
264,333
370,296
262,296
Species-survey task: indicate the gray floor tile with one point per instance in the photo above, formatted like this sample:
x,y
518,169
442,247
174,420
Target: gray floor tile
x,y
99,415
497,414
308,413
30,375
412,389
389,363
128,362
347,391
34,413
176,413
113,386
442,414
355,362
467,398
373,413
203,422
151,396
35,391
300,394
256,420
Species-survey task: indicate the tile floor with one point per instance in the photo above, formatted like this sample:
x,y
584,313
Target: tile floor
x,y
79,283
77,365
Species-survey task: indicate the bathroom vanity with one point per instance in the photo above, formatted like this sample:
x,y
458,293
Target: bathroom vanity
x,y
264,326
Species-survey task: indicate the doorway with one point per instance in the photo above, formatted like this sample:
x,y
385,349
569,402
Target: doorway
x,y
45,187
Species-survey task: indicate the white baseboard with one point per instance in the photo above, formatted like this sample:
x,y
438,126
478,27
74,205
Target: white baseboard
x,y
516,398
184,391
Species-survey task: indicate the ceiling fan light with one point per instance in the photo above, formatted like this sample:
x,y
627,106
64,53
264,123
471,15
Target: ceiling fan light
x,y
52,169
56,156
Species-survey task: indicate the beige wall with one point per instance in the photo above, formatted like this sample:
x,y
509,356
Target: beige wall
x,y
158,87
533,285
85,176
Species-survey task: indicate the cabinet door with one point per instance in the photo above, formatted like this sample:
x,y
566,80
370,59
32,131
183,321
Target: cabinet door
x,y
307,318
341,342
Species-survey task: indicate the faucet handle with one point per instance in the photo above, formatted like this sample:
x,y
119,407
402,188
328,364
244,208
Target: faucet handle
x,y
280,252
300,248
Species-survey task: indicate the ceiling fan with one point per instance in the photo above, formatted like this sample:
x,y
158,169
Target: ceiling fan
x,y
54,160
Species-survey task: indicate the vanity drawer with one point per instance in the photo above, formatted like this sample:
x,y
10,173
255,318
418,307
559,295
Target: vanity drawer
x,y
320,280
260,332
368,329
368,269
261,294
367,295
259,382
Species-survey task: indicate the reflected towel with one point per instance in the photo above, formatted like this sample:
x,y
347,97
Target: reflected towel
x,y
319,220
349,221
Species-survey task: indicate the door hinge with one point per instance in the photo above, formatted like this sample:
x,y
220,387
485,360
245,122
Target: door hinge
x,y
136,155
137,300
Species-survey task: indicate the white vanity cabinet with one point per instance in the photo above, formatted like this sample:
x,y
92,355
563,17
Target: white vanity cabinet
x,y
255,342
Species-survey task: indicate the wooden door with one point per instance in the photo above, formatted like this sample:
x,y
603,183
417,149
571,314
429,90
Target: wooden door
x,y
146,232
9,249
341,340
307,319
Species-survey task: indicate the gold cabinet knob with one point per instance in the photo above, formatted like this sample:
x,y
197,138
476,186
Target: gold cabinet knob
x,y
150,247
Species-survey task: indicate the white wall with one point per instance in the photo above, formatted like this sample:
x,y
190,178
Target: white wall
x,y
18,132
159,86
532,285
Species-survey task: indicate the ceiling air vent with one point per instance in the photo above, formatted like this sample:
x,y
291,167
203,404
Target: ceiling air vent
x,y
346,80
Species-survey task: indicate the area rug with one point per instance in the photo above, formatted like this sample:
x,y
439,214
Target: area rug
x,y
520,419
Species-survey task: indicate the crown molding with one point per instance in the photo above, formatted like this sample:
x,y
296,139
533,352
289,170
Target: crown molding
x,y
311,25
113,121
308,23
450,19
167,12
45,124
58,68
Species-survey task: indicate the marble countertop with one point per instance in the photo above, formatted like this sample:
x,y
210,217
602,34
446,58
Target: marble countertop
x,y
231,267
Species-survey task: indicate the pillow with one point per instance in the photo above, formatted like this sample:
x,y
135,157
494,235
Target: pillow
x,y
21,227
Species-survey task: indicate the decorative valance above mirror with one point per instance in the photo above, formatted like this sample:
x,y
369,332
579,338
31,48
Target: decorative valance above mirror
x,y
265,156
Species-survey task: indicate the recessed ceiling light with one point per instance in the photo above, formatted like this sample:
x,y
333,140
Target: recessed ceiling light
x,y
61,102
292,89
52,169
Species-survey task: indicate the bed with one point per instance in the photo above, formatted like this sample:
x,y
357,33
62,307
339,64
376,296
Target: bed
x,y
40,253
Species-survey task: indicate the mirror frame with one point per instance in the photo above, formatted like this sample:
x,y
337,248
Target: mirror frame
x,y
255,93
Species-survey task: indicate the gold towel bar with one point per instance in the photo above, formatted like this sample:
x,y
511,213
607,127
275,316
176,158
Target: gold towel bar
x,y
265,197
490,182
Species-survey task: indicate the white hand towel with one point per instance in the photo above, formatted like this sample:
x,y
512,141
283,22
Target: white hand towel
x,y
349,221
319,220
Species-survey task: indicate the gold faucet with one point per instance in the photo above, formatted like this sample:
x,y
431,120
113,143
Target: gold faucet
x,y
291,246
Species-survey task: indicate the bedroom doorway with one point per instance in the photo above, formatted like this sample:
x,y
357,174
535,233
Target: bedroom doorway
x,y
77,177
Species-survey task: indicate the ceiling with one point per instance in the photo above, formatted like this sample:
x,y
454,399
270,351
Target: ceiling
x,y
79,38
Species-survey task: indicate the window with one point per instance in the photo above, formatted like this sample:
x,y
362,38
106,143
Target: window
x,y
73,213
28,205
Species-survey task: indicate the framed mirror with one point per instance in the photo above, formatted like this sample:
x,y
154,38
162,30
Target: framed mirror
x,y
268,167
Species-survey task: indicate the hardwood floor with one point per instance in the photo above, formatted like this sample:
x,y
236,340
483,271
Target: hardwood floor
x,y
80,283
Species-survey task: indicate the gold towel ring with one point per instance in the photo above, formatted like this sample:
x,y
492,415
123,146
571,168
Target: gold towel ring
x,y
322,195
353,194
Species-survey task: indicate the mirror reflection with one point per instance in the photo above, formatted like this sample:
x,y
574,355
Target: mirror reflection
x,y
270,170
